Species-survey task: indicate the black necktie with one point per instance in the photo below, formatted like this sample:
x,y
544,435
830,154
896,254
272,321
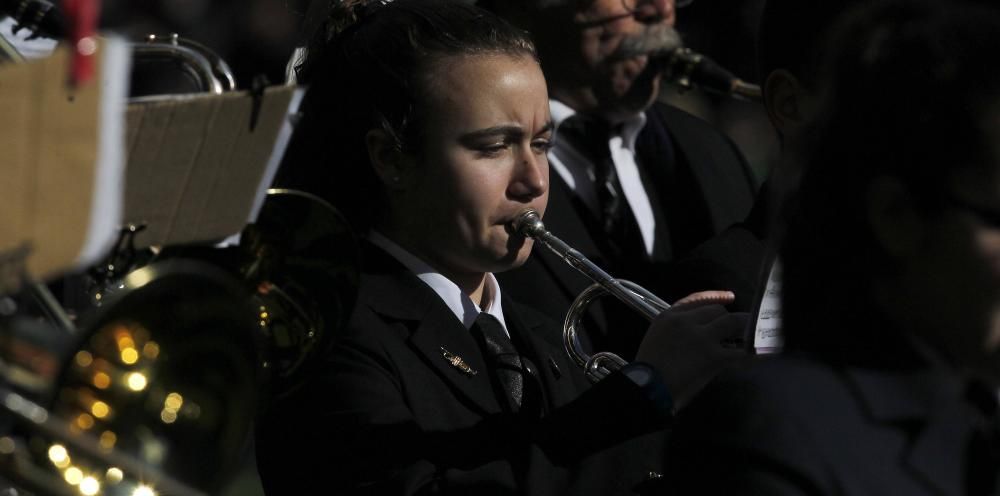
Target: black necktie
x,y
983,470
590,135
504,362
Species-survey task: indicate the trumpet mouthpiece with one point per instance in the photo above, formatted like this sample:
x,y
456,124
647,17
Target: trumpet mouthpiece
x,y
528,224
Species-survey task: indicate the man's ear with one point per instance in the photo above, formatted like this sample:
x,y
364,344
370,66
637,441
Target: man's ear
x,y
386,159
785,99
894,221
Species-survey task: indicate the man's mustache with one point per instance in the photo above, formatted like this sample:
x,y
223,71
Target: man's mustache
x,y
657,39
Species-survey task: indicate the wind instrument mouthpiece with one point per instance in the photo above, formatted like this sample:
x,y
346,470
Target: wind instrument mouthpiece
x,y
529,224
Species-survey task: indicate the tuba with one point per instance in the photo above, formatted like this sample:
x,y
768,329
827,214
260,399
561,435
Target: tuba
x,y
153,389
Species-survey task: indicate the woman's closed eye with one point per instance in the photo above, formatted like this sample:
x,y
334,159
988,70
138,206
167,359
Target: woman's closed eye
x,y
494,142
542,144
494,149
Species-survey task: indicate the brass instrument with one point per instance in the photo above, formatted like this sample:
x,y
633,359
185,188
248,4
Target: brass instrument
x,y
153,389
598,366
173,65
689,69
152,394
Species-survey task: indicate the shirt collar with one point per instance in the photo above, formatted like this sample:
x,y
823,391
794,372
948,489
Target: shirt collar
x,y
458,302
629,127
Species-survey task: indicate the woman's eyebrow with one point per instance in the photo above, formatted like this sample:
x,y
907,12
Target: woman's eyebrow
x,y
511,130
514,131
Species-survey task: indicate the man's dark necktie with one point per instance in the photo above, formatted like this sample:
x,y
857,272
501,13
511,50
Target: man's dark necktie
x,y
983,467
590,135
504,362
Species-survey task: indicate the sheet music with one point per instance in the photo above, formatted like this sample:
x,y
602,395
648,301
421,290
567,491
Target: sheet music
x,y
767,332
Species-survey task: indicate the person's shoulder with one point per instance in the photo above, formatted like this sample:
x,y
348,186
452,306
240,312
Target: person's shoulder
x,y
676,116
702,142
798,389
773,379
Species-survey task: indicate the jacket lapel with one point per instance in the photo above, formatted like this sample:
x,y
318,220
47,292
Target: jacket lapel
x,y
537,339
932,401
400,297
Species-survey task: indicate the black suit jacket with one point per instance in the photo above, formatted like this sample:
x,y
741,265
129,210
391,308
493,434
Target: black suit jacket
x,y
389,414
698,183
795,425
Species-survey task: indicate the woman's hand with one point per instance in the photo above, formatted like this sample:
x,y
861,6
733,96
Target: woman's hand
x,y
693,341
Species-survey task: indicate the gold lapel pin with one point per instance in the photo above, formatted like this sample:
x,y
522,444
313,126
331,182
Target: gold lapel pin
x,y
457,362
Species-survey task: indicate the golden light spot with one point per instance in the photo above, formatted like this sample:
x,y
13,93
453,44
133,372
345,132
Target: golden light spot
x,y
73,475
58,455
89,486
151,350
174,401
124,338
100,409
108,440
102,380
143,491
84,358
168,416
114,475
136,381
84,421
129,356
7,445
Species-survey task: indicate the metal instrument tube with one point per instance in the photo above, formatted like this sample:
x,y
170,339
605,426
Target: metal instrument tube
x,y
596,367
688,69
528,224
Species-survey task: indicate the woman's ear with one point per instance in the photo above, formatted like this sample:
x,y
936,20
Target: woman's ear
x,y
894,220
386,159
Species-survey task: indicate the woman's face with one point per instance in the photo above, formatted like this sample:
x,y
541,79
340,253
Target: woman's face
x,y
483,161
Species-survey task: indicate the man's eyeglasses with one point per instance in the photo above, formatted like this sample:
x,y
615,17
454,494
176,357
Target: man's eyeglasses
x,y
988,216
633,5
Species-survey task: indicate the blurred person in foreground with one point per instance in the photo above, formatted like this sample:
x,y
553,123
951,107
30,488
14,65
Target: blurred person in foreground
x,y
427,123
891,285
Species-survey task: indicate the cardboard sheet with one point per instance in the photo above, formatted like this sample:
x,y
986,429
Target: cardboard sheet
x,y
61,162
195,163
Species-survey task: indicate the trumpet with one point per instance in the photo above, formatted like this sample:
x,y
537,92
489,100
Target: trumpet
x,y
598,365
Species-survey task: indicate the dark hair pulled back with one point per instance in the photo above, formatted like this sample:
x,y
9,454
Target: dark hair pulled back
x,y
369,66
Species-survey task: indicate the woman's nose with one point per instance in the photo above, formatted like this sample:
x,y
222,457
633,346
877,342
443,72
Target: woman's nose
x,y
530,176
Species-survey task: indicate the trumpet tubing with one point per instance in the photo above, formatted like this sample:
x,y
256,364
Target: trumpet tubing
x,y
599,365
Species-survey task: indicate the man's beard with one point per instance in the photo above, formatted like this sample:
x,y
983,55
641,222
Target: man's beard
x,y
655,40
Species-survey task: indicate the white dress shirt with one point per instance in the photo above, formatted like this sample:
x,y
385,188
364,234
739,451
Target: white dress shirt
x,y
575,168
460,304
